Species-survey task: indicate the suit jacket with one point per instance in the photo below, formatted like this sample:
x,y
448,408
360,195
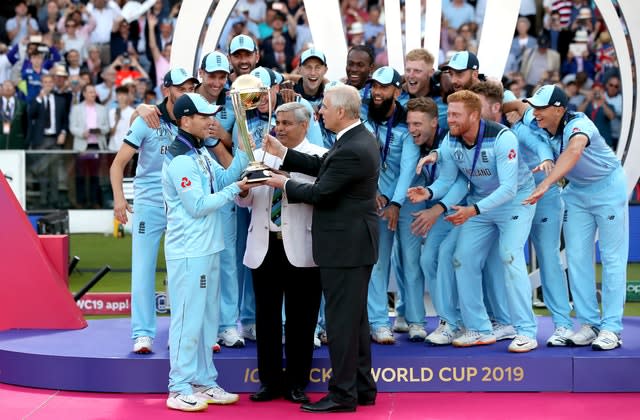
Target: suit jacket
x,y
553,61
17,127
78,125
36,120
345,221
296,218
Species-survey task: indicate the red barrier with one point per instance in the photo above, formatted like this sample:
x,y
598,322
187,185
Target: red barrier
x,y
32,293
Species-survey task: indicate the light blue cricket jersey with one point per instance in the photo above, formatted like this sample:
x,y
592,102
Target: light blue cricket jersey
x,y
498,173
398,152
534,143
225,116
195,186
151,145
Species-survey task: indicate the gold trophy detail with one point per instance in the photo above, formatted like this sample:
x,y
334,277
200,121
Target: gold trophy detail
x,y
247,93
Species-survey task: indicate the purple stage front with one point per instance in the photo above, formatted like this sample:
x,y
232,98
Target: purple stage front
x,y
98,358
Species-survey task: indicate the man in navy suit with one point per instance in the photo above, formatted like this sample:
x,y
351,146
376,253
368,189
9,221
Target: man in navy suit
x,y
345,240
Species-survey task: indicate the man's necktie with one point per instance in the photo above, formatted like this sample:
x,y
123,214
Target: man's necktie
x,y
47,113
276,206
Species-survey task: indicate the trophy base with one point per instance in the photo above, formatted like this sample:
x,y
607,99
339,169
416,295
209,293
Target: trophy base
x,y
256,173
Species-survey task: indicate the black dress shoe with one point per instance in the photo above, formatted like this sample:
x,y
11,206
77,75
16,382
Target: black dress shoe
x,y
366,401
265,393
297,395
327,405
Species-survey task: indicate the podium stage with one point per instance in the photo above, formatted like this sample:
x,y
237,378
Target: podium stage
x,y
98,358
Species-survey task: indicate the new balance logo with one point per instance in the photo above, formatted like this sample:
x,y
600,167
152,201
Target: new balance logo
x,y
141,228
545,220
611,217
514,217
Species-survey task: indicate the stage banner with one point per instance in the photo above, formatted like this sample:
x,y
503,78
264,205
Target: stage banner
x,y
103,303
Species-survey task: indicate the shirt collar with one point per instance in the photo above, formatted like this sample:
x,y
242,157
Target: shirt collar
x,y
344,130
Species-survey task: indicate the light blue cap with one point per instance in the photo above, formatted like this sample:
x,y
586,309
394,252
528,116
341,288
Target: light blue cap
x,y
313,53
242,42
548,95
386,76
215,61
463,60
176,77
193,103
267,76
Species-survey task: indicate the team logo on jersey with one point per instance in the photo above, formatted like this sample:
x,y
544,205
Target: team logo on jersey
x,y
163,149
575,130
458,155
512,154
185,182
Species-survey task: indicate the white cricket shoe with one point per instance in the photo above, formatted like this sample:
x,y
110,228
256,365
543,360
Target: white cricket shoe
x,y
249,332
316,342
560,337
229,337
400,325
184,402
214,395
503,331
417,333
474,338
606,340
143,345
522,344
441,336
383,335
584,337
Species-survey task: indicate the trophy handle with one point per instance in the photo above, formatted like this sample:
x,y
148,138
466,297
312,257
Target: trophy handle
x,y
270,114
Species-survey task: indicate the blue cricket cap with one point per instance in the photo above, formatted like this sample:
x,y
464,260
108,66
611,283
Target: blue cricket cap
x,y
548,95
192,104
176,77
242,42
267,76
463,60
313,53
215,61
386,76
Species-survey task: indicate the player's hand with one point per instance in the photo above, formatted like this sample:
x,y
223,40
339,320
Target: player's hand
x,y
245,185
150,114
462,214
120,209
271,145
536,194
546,167
513,117
430,159
381,202
424,220
391,214
287,93
276,180
418,194
217,131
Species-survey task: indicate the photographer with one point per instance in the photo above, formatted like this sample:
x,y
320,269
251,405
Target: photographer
x,y
599,111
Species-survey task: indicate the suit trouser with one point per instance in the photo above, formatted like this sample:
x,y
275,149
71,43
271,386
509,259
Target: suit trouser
x,y
601,206
545,237
245,285
300,286
229,284
149,223
345,292
512,222
194,286
45,167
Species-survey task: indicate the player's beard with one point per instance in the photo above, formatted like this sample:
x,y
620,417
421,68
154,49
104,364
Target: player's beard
x,y
378,113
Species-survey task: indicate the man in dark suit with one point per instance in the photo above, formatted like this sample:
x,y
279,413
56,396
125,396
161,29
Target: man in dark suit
x,y
13,112
345,240
48,123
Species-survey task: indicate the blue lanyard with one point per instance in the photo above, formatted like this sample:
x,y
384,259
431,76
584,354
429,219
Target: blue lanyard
x,y
431,169
476,153
384,151
197,152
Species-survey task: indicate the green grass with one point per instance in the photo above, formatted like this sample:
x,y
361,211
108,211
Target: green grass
x,y
98,250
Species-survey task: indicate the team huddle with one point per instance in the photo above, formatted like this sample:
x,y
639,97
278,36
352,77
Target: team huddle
x,y
465,174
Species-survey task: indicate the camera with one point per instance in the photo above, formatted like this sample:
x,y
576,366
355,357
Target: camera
x,y
126,60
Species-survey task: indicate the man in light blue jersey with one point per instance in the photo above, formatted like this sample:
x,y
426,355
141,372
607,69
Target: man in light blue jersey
x,y
149,220
498,182
195,187
386,119
595,200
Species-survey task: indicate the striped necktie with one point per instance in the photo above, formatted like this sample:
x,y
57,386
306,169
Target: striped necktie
x,y
276,206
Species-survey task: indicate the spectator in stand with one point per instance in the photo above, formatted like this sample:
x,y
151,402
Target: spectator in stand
x,y
94,64
32,75
562,7
535,61
355,34
49,19
76,86
5,64
373,27
119,118
605,55
123,38
160,56
521,42
13,112
74,65
36,43
85,23
150,97
104,15
467,32
73,40
279,28
457,13
352,11
107,89
580,60
304,40
528,10
257,9
575,97
560,35
613,98
21,25
278,59
598,110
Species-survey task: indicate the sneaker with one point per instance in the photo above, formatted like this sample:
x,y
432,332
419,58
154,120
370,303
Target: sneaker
x,y
216,348
606,340
585,336
316,342
474,338
383,335
229,337
560,337
249,332
522,344
400,325
184,402
441,336
322,335
503,331
143,345
214,395
417,333
538,304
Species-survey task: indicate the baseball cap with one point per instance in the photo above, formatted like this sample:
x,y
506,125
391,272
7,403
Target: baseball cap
x,y
386,76
215,61
176,77
242,42
193,103
548,95
311,53
463,60
508,96
267,76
